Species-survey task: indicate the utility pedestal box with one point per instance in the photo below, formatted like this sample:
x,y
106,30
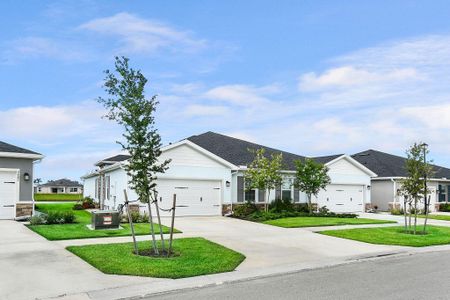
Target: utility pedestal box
x,y
105,219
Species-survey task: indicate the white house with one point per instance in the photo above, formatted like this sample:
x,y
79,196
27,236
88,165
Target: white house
x,y
206,174
385,191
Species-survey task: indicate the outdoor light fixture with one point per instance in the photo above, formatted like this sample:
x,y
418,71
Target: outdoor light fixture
x,y
227,183
368,187
26,176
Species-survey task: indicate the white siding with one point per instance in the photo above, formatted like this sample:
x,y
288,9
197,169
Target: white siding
x,y
185,155
89,187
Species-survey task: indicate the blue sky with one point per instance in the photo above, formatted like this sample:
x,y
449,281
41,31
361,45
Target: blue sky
x,y
310,77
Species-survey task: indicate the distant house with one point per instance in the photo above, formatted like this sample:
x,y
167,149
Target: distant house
x,y
60,186
385,191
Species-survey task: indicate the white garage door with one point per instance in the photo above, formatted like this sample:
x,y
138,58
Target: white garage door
x,y
8,193
196,197
342,198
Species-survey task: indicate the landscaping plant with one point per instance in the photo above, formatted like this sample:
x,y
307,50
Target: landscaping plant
x,y
129,107
310,178
414,187
263,173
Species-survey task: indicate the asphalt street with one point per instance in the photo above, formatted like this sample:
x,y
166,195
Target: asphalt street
x,y
418,276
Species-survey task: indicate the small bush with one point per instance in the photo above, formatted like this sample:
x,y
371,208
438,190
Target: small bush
x,y
78,206
37,220
68,217
397,211
245,209
279,205
301,207
58,217
444,207
88,203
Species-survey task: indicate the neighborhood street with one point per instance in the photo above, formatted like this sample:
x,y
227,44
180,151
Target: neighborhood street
x,y
417,276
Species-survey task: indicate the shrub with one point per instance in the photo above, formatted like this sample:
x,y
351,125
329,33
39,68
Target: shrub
x,y
68,217
245,209
37,220
78,206
58,217
323,210
279,205
88,203
397,211
302,207
444,207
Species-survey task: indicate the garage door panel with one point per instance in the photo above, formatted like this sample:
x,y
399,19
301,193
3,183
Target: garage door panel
x,y
342,198
8,193
194,197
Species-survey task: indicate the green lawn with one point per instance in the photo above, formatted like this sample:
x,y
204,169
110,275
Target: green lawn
x,y
321,221
79,230
436,235
437,217
58,197
197,256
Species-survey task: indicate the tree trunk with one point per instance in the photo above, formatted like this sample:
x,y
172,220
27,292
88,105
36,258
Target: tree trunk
x,y
405,212
174,205
152,229
410,216
159,222
415,215
267,200
309,204
136,251
427,202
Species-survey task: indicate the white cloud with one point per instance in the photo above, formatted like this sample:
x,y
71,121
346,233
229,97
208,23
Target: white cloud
x,y
35,46
205,110
241,95
138,35
348,76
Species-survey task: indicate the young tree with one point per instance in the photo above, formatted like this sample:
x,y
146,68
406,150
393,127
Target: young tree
x,y
414,186
128,106
310,178
263,173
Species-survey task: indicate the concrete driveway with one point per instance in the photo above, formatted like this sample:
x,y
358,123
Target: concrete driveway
x,y
32,267
267,246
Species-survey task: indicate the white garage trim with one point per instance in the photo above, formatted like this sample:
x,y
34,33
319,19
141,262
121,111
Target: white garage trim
x,y
17,174
353,162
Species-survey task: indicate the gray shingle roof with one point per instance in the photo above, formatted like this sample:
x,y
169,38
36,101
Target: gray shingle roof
x,y
325,159
114,159
388,165
5,147
236,151
62,182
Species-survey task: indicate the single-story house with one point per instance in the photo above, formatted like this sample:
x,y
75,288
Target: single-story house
x,y
206,174
60,186
385,189
16,181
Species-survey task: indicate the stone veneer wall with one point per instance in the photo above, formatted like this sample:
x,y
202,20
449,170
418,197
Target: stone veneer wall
x,y
24,209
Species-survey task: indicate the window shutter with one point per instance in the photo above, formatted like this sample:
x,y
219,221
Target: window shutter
x,y
108,187
261,196
96,189
278,192
296,195
240,189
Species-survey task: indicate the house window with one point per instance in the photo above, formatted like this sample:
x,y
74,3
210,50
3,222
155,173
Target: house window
x,y
442,193
250,195
286,189
73,190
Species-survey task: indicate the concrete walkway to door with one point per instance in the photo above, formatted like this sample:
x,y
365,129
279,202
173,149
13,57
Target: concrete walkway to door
x,y
33,268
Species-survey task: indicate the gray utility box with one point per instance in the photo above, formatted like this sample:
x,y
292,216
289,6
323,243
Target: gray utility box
x,y
105,219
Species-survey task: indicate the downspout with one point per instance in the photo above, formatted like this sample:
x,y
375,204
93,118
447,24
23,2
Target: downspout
x,y
32,188
395,192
